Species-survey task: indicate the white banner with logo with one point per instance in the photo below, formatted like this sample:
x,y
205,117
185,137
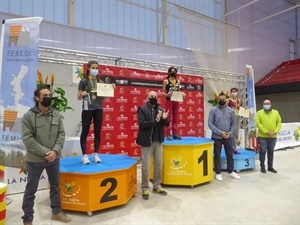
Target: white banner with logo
x,y
288,136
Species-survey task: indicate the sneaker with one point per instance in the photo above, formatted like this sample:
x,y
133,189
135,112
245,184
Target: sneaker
x,y
85,159
97,158
145,195
263,170
272,170
160,191
177,137
169,138
61,217
234,175
219,177
236,152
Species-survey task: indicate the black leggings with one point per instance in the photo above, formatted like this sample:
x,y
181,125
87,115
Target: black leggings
x,y
86,119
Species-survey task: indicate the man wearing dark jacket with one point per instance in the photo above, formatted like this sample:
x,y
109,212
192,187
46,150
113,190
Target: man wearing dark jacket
x,y
152,120
43,136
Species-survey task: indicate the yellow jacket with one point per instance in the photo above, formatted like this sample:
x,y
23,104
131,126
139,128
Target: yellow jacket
x,y
268,122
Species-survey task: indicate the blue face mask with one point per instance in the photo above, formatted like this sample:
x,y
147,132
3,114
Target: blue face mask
x,y
267,107
94,72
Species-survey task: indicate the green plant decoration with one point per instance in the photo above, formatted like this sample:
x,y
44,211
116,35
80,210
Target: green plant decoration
x,y
59,101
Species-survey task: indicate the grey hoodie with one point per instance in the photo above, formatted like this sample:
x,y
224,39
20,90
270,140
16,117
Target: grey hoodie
x,y
42,133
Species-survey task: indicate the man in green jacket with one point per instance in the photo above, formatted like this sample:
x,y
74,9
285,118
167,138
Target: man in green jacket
x,y
43,136
268,122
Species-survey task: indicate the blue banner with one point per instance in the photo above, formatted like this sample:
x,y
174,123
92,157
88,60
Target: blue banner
x,y
251,103
18,80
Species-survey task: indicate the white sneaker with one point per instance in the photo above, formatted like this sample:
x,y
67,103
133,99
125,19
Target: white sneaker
x,y
219,177
97,158
234,175
85,159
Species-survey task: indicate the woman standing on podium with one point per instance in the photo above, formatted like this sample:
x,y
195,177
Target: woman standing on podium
x,y
169,85
91,109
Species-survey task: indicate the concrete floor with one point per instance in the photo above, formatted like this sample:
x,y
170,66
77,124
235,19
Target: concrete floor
x,y
256,198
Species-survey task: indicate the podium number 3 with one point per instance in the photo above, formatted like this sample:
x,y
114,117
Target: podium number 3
x,y
203,158
107,197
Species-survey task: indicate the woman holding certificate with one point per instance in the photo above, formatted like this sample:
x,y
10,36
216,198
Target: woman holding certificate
x,y
92,109
171,89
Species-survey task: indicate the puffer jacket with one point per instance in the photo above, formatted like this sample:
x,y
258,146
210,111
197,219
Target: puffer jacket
x,y
42,133
147,123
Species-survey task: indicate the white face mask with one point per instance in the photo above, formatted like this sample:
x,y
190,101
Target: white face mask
x,y
234,94
94,72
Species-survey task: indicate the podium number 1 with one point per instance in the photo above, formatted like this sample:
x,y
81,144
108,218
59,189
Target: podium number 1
x,y
203,158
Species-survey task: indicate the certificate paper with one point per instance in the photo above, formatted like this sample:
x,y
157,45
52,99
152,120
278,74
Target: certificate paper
x,y
177,96
244,112
105,90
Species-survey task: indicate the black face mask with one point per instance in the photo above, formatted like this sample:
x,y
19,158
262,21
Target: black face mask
x,y
173,74
46,101
221,102
153,101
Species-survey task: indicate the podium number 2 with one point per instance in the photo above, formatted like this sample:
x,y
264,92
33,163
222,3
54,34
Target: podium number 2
x,y
107,197
203,158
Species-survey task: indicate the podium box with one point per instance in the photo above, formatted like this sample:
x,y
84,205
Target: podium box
x,y
97,186
243,161
188,161
3,188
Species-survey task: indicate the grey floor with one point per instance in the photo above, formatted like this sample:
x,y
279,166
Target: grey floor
x,y
254,199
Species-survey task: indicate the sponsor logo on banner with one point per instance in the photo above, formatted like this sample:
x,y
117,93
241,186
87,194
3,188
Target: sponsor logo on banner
x,y
199,81
122,118
181,124
122,144
108,108
191,109
107,117
191,117
180,132
159,93
108,127
135,99
200,116
182,86
180,78
122,100
122,108
108,136
123,152
181,116
134,144
147,75
108,145
134,126
135,74
158,77
199,109
181,109
121,72
191,124
199,124
122,136
135,91
122,90
190,102
135,117
136,152
190,94
121,81
107,71
135,134
134,109
191,132
199,95
199,87
190,87
122,126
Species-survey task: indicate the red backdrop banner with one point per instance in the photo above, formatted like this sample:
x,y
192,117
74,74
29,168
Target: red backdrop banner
x,y
120,123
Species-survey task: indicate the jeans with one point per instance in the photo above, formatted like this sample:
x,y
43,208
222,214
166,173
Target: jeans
x,y
154,150
86,119
34,174
172,107
217,154
267,145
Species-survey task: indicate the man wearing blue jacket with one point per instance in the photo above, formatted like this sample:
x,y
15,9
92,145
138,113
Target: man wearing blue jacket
x,y
152,119
221,121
